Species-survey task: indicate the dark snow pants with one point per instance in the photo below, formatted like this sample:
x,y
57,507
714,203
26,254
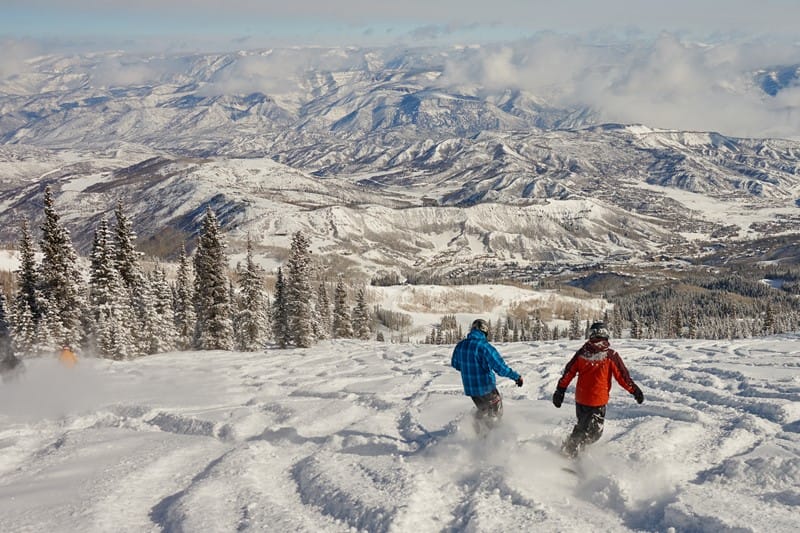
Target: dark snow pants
x,y
588,429
490,411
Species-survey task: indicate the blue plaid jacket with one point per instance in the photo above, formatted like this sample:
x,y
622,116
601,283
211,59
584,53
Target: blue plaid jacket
x,y
477,360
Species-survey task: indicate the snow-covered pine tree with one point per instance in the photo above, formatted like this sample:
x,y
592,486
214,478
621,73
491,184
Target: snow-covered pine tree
x,y
361,317
234,304
214,326
24,308
110,313
280,313
127,258
636,327
299,296
252,321
183,304
575,326
617,323
23,329
342,325
161,323
439,336
323,312
60,279
768,322
5,328
27,274
129,265
49,333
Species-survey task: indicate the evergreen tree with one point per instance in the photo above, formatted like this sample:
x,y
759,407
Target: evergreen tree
x,y
768,324
110,312
439,339
49,333
214,327
676,324
25,309
127,258
430,338
342,326
5,329
616,323
23,329
323,313
575,326
361,318
299,297
252,321
27,274
60,280
636,328
693,326
183,306
280,314
130,270
161,323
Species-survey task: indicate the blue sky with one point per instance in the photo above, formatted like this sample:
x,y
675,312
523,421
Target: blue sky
x,y
229,23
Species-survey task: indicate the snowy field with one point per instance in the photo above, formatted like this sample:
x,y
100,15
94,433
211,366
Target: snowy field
x,y
351,436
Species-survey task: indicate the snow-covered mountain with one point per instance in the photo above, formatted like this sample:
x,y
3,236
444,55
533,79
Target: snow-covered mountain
x,y
387,156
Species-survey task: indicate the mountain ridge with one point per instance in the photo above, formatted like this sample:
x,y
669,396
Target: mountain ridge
x,y
375,160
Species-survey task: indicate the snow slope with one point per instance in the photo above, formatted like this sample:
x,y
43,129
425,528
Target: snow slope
x,y
376,437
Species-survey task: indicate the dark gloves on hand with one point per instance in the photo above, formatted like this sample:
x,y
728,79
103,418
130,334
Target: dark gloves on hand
x,y
637,394
558,397
518,381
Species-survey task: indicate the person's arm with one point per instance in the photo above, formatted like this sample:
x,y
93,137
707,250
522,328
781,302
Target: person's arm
x,y
570,370
623,377
497,363
454,361
566,377
620,372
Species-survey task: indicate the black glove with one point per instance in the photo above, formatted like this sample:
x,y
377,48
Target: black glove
x,y
518,381
637,394
558,396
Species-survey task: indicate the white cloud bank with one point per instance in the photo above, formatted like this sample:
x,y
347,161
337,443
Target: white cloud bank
x,y
666,83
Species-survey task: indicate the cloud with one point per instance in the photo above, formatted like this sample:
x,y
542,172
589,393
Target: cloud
x,y
122,70
16,52
276,71
268,74
666,83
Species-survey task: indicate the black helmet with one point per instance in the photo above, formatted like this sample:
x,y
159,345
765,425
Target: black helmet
x,y
598,330
481,325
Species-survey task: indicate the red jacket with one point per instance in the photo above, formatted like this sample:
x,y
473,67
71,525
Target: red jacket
x,y
594,364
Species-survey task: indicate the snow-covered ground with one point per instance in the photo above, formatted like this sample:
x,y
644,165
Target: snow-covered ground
x,y
352,436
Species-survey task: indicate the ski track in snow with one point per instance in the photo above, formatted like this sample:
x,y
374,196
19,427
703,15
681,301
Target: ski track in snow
x,y
350,436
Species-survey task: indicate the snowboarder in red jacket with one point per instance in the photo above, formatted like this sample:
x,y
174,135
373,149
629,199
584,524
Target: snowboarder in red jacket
x,y
594,364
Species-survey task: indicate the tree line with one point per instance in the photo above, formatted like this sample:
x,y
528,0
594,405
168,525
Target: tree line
x,y
120,311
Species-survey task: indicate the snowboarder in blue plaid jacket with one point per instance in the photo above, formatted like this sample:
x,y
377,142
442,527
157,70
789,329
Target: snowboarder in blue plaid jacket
x,y
478,361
